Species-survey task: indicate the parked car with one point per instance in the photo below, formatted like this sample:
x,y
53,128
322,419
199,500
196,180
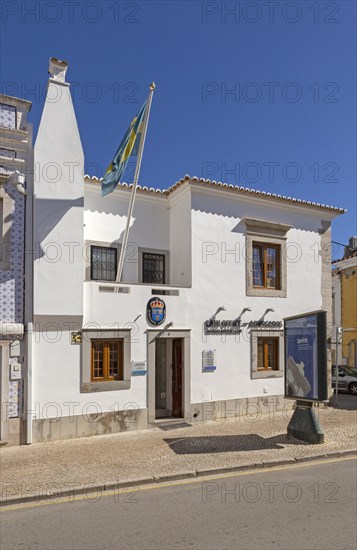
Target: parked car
x,y
347,379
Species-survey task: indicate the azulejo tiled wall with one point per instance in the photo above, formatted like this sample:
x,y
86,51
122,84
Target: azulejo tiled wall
x,y
12,280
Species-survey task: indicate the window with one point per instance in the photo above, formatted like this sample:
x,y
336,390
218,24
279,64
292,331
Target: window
x,y
103,263
266,265
7,116
6,206
107,360
268,354
153,268
9,153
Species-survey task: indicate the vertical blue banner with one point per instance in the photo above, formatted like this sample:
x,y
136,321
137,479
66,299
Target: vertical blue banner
x,y
305,357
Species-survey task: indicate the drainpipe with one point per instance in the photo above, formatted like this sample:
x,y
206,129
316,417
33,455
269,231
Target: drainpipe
x,y
29,384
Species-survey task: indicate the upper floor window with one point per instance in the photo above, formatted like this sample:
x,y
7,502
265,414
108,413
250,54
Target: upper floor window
x,y
103,263
9,153
7,116
266,265
153,268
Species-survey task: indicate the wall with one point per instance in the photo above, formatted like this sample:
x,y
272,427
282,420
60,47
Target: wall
x,y
12,279
213,225
180,238
218,275
105,220
349,315
58,207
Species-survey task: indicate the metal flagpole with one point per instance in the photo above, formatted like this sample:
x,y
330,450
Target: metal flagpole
x,y
135,183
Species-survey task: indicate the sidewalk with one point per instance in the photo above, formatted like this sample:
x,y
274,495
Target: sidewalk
x,y
103,462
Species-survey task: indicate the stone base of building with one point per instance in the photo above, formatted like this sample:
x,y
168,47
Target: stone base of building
x,y
71,427
15,431
250,407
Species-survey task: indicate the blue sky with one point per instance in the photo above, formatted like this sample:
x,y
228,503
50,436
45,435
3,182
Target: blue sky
x,y
260,93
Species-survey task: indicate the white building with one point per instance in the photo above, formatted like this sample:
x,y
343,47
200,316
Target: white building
x,y
228,263
16,171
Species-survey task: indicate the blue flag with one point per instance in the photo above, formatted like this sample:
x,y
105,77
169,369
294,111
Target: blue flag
x,y
127,148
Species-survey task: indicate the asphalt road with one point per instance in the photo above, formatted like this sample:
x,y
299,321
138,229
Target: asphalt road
x,y
306,506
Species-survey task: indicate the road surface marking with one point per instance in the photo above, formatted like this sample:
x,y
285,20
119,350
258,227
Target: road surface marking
x,y
163,484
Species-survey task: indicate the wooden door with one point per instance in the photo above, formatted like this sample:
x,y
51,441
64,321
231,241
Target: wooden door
x,y
177,375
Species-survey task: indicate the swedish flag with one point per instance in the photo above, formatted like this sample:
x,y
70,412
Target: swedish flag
x,y
127,148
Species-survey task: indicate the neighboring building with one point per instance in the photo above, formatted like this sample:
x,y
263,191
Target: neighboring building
x,y
16,168
227,263
344,295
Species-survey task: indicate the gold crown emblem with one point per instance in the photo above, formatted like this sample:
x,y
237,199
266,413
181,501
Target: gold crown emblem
x,y
157,304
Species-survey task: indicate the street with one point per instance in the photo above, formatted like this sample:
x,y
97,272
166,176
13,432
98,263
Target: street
x,y
304,506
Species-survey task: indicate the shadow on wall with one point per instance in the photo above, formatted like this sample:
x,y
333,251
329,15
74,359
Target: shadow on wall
x,y
229,443
48,213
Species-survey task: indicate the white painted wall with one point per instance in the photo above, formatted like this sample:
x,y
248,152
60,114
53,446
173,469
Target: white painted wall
x,y
180,238
183,224
58,207
219,279
105,220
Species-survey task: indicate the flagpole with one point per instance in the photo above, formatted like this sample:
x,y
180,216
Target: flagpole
x,y
135,183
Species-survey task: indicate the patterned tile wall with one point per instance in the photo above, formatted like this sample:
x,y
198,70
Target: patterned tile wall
x,y
12,280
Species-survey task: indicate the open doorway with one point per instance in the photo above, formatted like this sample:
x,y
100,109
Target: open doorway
x,y
169,359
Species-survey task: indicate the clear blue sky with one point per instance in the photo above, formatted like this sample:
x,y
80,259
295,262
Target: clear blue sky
x,y
290,128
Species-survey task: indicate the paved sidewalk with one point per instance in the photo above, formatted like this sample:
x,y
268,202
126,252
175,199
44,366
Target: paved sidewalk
x,y
106,461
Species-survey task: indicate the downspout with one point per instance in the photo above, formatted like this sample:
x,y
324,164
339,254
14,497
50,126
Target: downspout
x,y
29,384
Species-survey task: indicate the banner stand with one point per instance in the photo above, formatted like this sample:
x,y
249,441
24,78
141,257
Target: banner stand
x,y
304,424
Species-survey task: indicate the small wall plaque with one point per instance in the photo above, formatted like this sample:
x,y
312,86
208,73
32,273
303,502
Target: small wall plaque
x,y
209,360
138,368
76,337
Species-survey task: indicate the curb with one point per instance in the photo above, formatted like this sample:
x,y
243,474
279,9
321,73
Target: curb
x,y
100,488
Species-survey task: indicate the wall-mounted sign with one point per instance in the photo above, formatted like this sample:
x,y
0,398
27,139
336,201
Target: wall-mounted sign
x,y
306,357
235,326
76,337
265,324
138,368
222,327
209,360
156,311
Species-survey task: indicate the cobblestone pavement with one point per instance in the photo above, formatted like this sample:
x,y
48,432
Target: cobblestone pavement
x,y
57,466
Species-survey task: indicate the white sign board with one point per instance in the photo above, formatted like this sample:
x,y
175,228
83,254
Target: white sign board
x,y
209,360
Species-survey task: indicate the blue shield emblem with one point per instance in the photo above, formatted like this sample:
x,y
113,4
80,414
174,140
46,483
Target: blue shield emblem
x,y
156,311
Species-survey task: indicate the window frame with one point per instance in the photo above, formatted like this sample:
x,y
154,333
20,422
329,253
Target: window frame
x,y
98,385
255,335
6,219
106,360
144,253
87,256
165,253
263,246
265,340
265,233
12,107
99,246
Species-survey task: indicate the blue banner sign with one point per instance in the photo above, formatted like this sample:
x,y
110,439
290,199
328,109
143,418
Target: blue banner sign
x,y
306,357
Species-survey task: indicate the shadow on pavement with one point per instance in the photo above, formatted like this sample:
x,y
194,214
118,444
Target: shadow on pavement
x,y
228,443
345,401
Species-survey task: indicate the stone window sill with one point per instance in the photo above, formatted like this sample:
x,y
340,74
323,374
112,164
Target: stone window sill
x,y
105,386
267,374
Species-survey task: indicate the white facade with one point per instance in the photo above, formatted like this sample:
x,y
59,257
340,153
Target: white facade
x,y
204,233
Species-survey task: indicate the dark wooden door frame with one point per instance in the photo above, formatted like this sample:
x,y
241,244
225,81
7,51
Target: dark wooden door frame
x,y
177,376
152,335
